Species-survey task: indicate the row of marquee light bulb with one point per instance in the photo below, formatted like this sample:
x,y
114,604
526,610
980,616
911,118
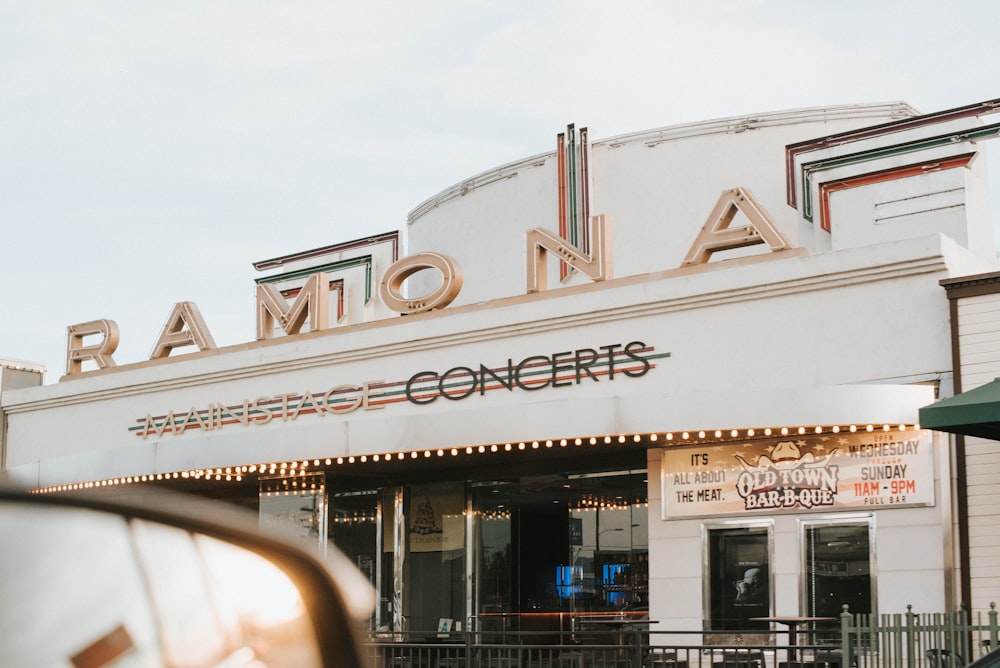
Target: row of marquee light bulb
x,y
236,473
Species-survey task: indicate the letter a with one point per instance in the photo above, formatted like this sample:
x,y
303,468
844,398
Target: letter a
x,y
716,235
174,334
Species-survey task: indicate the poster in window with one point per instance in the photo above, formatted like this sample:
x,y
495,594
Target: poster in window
x,y
739,579
436,518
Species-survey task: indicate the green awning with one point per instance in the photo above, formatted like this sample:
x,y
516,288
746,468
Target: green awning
x,y
973,413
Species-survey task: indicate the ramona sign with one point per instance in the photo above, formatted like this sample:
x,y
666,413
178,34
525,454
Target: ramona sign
x,y
185,326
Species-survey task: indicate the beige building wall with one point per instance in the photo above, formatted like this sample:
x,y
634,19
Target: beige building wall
x,y
979,359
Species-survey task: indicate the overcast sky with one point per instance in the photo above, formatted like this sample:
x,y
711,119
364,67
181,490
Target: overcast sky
x,y
151,151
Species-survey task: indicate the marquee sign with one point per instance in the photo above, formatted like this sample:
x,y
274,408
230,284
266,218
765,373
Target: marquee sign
x,y
95,342
532,373
844,471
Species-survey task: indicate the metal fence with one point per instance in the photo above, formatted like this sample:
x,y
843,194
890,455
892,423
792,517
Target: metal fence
x,y
904,640
914,640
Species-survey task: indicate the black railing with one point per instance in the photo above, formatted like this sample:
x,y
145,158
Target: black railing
x,y
599,648
947,640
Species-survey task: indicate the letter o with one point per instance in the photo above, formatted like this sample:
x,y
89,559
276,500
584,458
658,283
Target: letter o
x,y
744,484
455,396
391,286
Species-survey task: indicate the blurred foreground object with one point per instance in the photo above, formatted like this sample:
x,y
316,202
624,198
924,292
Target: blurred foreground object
x,y
91,582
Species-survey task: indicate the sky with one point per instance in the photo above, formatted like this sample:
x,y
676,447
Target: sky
x,y
150,152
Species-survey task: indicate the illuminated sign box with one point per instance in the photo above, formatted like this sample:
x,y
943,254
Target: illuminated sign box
x,y
843,471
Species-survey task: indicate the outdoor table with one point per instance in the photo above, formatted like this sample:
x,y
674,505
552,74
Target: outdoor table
x,y
793,622
621,624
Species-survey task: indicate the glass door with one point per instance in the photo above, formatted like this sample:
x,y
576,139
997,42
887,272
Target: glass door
x,y
838,567
739,578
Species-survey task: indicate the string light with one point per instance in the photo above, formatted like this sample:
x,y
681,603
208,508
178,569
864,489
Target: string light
x,y
304,467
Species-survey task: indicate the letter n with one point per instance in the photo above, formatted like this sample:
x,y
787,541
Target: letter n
x,y
716,235
312,301
77,353
597,265
174,335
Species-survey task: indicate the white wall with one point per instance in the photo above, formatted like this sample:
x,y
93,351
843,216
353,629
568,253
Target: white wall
x,y
658,187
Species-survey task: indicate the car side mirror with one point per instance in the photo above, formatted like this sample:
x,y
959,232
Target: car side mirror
x,y
90,582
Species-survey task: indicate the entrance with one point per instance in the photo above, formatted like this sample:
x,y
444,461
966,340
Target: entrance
x,y
502,555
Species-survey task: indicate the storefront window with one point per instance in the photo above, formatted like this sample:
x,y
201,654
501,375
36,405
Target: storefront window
x,y
295,506
739,578
493,563
838,567
609,569
435,565
353,528
389,614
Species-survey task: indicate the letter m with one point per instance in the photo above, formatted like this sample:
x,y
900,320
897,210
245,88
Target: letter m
x,y
274,311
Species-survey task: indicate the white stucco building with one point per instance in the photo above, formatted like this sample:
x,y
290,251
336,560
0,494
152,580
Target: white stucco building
x,y
710,414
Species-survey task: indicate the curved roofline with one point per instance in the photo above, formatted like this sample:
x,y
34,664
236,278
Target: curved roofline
x,y
733,124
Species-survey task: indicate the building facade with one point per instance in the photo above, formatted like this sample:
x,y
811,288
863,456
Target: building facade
x,y
674,373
